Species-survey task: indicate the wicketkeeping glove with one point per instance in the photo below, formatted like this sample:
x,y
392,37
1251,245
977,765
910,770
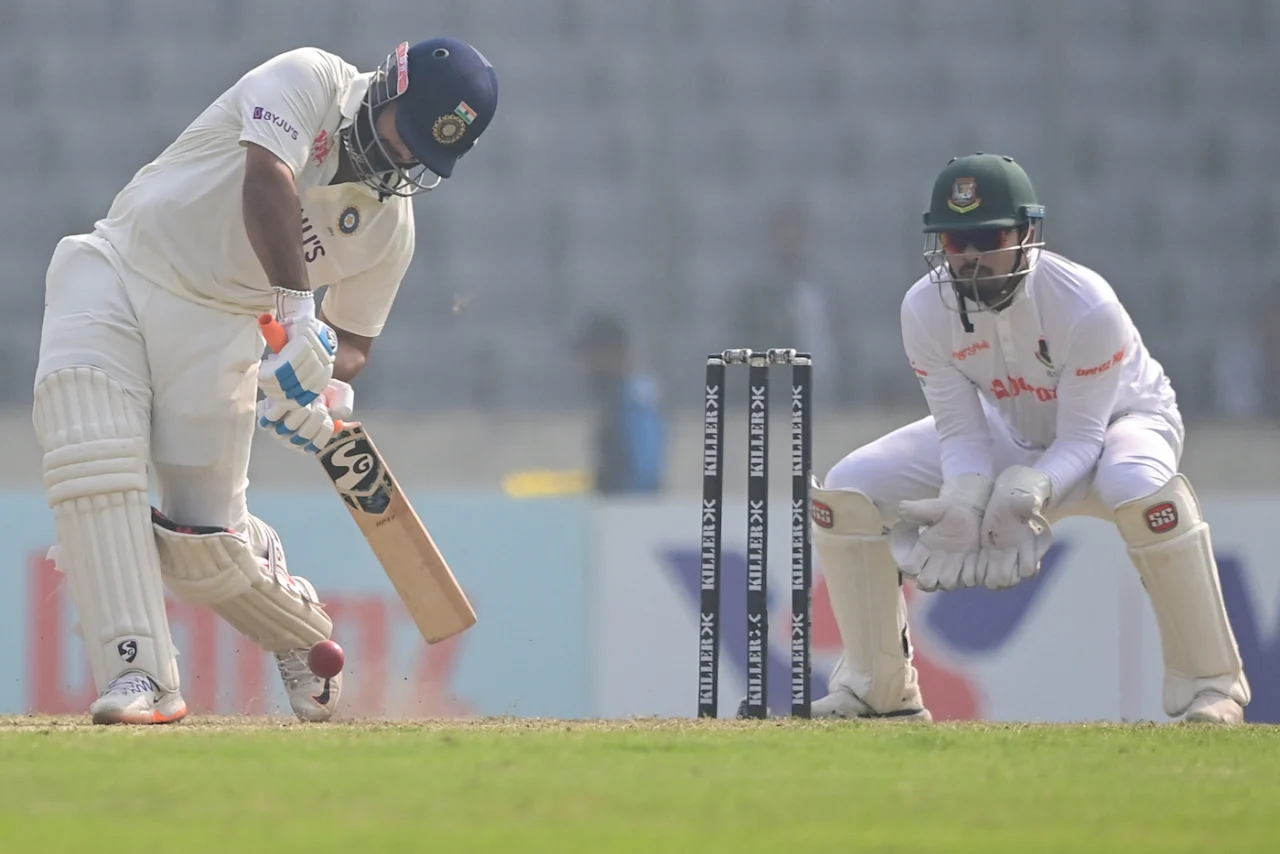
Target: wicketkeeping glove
x,y
1015,533
936,541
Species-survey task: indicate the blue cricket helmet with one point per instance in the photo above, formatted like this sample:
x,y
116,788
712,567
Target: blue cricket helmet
x,y
452,96
446,94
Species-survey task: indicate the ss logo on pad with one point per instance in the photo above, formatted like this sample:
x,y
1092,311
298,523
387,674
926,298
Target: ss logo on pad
x,y
1162,517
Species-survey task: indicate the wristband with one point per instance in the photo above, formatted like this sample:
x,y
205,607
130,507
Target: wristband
x,y
292,303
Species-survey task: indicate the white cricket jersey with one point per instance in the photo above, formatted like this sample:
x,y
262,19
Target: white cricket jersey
x,y
180,224
1057,366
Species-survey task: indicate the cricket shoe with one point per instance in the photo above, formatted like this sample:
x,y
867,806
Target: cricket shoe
x,y
133,697
313,699
841,703
1214,708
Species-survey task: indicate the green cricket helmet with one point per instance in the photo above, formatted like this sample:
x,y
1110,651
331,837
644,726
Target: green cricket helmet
x,y
976,200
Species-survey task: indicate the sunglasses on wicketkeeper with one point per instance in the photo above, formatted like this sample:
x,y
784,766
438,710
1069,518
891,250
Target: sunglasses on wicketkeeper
x,y
982,239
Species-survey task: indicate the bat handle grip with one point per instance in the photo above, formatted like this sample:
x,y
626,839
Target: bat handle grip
x,y
276,338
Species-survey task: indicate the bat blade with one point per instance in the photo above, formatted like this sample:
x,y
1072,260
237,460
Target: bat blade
x,y
401,543
403,546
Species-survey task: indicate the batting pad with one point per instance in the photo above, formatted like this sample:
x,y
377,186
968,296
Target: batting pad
x,y
1169,544
866,598
95,439
244,581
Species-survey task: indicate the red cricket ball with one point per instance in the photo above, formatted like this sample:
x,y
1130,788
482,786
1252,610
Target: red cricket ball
x,y
326,659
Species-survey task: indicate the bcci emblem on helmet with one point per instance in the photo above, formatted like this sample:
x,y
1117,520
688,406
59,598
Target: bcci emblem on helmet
x,y
448,129
964,195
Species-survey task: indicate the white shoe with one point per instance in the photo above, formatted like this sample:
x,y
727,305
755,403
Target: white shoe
x,y
133,697
842,703
313,699
1213,708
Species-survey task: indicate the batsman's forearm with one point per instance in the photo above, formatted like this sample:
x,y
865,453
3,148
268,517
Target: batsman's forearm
x,y
348,361
353,351
273,220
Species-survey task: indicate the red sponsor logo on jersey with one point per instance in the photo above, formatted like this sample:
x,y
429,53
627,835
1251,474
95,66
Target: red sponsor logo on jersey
x,y
1104,367
821,513
1162,517
320,147
1018,386
972,349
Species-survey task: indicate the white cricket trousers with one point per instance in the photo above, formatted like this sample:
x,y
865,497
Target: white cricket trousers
x,y
193,369
1140,454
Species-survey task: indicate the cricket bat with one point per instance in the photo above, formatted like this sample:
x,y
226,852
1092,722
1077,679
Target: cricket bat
x,y
427,587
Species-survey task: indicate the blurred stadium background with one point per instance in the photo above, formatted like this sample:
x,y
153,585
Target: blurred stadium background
x,y
711,173
642,151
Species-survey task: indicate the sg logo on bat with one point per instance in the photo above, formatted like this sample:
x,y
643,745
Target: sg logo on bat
x,y
357,472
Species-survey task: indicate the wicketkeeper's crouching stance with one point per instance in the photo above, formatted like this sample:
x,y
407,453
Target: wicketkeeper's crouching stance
x,y
298,176
1045,404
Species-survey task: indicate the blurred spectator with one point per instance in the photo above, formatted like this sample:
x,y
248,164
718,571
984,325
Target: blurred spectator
x,y
1247,364
630,440
787,306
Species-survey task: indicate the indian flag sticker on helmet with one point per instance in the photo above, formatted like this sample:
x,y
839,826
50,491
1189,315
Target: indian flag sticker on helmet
x,y
464,111
448,129
964,195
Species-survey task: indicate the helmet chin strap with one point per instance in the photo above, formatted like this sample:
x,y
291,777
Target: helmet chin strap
x,y
965,322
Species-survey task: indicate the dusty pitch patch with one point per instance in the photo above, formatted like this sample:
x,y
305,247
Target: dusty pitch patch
x,y
516,726
492,725
205,723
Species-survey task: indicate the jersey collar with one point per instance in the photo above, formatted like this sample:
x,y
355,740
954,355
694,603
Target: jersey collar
x,y
349,106
349,103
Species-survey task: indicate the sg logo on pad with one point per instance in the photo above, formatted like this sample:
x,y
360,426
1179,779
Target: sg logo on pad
x,y
128,650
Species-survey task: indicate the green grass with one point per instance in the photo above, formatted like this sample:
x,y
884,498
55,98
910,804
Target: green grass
x,y
226,785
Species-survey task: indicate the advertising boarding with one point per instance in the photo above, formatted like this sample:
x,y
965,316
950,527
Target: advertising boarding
x,y
521,563
1077,643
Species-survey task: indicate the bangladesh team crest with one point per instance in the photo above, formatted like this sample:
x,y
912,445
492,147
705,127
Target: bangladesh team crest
x,y
1042,353
964,195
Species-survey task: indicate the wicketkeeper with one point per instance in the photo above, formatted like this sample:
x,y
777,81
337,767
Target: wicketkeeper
x,y
1045,404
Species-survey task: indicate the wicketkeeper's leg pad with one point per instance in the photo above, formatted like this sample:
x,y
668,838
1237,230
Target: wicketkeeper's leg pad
x,y
866,598
242,577
95,438
1170,546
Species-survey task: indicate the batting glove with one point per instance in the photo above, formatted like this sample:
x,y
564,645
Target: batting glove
x,y
307,428
302,368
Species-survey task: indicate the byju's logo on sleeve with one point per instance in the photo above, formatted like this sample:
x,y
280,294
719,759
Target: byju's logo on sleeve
x,y
260,114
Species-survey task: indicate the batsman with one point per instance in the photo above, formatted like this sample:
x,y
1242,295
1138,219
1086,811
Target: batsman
x,y
1044,404
298,176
